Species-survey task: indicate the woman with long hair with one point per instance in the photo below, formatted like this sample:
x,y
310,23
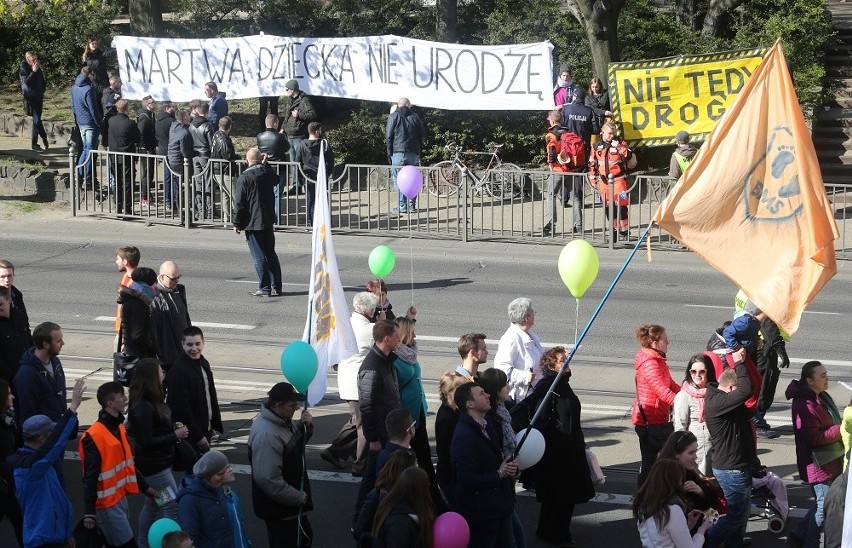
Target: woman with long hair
x,y
150,424
661,514
405,516
655,394
598,100
10,440
700,491
445,425
689,406
93,57
562,476
385,480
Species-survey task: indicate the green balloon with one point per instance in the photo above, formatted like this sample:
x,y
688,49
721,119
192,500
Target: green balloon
x,y
578,266
381,261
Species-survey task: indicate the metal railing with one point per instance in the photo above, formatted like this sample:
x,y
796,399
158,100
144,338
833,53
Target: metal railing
x,y
363,199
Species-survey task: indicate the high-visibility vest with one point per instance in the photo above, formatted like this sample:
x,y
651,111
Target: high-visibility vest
x,y
117,477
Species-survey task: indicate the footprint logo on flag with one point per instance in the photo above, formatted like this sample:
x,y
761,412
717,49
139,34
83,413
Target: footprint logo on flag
x,y
771,191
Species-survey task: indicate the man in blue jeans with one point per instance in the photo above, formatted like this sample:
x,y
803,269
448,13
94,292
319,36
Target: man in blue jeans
x,y
733,450
87,115
254,213
403,134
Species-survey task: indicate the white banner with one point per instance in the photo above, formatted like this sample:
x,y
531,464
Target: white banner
x,y
376,68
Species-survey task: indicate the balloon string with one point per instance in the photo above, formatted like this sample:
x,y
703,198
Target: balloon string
x,y
576,320
411,257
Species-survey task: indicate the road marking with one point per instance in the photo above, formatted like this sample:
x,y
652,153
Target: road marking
x,y
199,324
731,308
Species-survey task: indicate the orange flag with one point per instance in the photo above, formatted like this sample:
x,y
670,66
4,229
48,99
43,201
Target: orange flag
x,y
752,202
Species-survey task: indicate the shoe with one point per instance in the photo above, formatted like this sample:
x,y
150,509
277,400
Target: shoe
x,y
767,433
37,148
259,293
577,230
746,541
327,456
357,471
624,234
275,293
397,211
547,230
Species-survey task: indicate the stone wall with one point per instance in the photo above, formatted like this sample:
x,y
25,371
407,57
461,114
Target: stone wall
x,y
24,180
19,125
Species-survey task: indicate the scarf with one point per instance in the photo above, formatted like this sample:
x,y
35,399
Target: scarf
x,y
698,395
146,290
407,353
9,418
508,433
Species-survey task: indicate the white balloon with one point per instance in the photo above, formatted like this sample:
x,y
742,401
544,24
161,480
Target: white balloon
x,y
532,450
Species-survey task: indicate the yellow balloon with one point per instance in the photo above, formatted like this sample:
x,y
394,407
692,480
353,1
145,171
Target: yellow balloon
x,y
578,266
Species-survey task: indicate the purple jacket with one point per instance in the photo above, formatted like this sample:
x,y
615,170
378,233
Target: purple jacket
x,y
814,427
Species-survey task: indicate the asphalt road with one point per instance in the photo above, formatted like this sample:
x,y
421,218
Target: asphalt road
x,y
65,269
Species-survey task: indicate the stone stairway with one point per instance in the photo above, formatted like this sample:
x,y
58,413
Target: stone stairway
x,y
832,127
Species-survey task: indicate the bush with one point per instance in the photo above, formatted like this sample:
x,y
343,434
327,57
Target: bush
x,y
57,31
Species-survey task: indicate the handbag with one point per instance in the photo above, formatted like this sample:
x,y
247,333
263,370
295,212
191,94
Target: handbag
x,y
595,471
122,363
824,454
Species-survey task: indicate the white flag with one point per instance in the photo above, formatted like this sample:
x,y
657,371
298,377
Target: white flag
x,y
327,329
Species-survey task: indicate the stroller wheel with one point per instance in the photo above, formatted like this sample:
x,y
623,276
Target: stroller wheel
x,y
776,525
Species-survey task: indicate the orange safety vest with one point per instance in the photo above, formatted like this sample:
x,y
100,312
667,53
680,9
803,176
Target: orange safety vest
x,y
117,477
551,144
125,282
609,159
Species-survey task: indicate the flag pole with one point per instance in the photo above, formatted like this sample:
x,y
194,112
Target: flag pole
x,y
579,340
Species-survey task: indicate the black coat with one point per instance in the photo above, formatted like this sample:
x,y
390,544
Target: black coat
x,y
563,472
378,393
15,339
254,205
154,436
308,155
445,425
297,126
10,441
123,134
274,144
147,130
170,316
161,129
136,325
187,400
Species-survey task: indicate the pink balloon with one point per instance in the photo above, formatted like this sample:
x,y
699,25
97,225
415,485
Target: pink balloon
x,y
450,531
410,181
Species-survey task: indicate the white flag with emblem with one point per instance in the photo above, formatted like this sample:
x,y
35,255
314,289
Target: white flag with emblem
x,y
327,329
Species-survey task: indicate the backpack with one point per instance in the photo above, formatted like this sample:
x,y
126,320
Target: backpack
x,y
572,151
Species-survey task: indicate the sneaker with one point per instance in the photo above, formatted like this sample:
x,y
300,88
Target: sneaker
x,y
259,293
577,230
624,234
275,293
327,456
766,432
547,230
37,148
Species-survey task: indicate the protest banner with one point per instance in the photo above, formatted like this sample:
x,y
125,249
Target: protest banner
x,y
653,100
378,68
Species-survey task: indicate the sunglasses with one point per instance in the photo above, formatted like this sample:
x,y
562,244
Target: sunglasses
x,y
176,278
698,371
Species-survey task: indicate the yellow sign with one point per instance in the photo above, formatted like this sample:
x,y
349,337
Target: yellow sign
x,y
653,100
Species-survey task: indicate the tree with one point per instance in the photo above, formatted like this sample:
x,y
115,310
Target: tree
x,y
715,16
446,29
599,18
146,17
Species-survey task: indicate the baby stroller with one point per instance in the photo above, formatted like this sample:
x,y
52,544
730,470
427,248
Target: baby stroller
x,y
769,499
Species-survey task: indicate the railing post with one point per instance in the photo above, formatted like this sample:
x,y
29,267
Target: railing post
x,y
187,195
610,183
72,180
464,190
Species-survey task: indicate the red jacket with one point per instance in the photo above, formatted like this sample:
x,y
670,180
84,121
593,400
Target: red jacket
x,y
813,426
655,388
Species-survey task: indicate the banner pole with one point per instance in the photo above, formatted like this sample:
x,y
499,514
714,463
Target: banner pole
x,y
579,340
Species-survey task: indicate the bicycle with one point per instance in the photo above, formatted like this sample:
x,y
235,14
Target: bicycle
x,y
498,179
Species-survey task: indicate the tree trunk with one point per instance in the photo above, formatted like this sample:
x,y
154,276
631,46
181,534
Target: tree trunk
x,y
447,24
599,18
685,13
715,17
146,17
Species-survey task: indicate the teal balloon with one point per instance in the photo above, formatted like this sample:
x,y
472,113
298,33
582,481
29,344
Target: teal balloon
x,y
299,364
159,529
381,261
578,266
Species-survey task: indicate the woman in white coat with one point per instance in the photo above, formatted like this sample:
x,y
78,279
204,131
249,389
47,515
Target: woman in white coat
x,y
689,407
350,440
519,352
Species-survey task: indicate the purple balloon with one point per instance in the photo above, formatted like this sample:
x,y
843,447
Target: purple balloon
x,y
450,531
410,181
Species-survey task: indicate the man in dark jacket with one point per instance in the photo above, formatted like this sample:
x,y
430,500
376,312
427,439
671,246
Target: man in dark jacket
x,y
280,491
308,157
274,144
33,87
733,449
137,327
180,148
169,314
87,116
123,137
162,127
202,141
254,213
146,122
218,105
483,488
378,395
109,98
579,119
192,392
15,336
403,134
46,508
294,124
